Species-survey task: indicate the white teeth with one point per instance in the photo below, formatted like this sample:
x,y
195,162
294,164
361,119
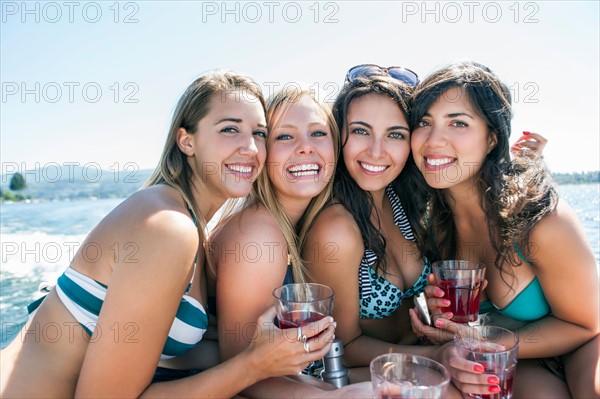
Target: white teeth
x,y
240,168
305,167
438,161
373,168
307,173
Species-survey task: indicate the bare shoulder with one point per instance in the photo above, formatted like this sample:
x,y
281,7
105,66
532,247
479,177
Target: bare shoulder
x,y
334,238
336,222
248,224
153,217
558,235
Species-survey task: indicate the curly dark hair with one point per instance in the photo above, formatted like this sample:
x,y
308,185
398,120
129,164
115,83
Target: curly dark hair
x,y
347,192
515,195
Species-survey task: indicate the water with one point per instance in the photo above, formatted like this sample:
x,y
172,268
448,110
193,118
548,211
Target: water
x,y
38,240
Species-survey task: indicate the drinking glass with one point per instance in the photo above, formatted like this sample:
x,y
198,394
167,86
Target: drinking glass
x,y
496,349
461,282
403,376
300,304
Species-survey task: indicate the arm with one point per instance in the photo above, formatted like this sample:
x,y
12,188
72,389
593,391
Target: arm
x,y
245,283
565,266
333,253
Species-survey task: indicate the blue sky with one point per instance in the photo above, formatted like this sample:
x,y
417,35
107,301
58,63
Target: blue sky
x,y
96,82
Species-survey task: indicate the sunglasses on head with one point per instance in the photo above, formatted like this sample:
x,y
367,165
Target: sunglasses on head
x,y
367,70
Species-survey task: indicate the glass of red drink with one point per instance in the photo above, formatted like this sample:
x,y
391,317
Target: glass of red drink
x,y
300,304
496,349
461,282
403,376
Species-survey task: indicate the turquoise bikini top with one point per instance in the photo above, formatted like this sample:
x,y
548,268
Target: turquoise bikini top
x,y
530,304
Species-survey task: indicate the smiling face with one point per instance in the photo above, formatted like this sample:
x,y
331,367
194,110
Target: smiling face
x,y
228,149
301,157
451,141
376,141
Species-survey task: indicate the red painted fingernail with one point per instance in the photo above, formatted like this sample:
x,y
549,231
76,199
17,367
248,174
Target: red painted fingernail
x,y
446,302
494,389
439,292
478,368
448,315
439,323
526,133
493,380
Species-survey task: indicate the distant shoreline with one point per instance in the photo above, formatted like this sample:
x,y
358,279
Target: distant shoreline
x,y
72,189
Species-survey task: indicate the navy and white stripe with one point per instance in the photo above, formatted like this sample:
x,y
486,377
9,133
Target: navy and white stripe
x,y
400,218
84,297
378,297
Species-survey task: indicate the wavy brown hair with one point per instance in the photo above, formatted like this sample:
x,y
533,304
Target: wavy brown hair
x,y
409,186
515,195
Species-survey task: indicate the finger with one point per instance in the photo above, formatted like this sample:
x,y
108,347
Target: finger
x,y
314,328
322,339
433,291
538,137
438,304
477,389
431,279
268,316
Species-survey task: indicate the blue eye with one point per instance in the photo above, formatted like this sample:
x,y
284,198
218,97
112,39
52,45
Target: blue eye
x,y
359,131
260,133
397,135
230,129
459,124
319,133
283,136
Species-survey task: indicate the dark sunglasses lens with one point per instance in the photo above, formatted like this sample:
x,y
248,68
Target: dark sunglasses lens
x,y
363,71
404,75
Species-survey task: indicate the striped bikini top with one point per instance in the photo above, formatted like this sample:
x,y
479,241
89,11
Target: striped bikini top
x,y
84,297
378,297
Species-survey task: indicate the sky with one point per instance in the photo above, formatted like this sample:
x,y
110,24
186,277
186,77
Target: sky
x,y
95,83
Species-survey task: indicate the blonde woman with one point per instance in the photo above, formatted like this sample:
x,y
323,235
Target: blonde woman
x,y
257,250
119,318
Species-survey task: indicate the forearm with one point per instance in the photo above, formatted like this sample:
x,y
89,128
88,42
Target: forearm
x,y
363,349
222,381
551,337
288,387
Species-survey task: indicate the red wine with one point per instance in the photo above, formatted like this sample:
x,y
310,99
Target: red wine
x,y
464,301
298,318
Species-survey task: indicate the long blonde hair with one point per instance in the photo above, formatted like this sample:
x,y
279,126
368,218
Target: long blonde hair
x,y
173,168
264,193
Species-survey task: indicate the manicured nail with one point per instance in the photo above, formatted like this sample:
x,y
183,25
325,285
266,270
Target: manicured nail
x,y
478,368
448,315
334,324
439,323
526,133
493,380
439,292
494,389
446,302
329,319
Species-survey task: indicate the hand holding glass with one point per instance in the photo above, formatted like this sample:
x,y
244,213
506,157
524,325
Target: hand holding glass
x,y
461,282
496,349
300,304
403,376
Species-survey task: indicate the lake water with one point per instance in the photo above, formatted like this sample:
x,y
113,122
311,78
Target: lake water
x,y
38,240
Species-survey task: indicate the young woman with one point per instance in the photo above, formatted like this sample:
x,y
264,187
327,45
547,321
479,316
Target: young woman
x,y
111,320
256,250
363,245
541,272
